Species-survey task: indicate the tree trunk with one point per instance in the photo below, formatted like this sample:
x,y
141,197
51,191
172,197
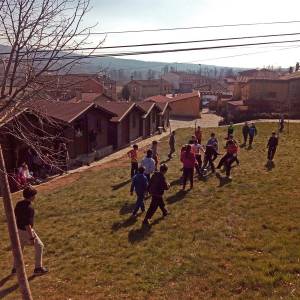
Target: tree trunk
x,y
13,232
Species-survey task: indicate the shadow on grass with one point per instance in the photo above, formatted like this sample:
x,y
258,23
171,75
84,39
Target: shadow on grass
x,y
120,185
5,279
141,234
128,222
175,182
223,180
9,290
127,208
270,165
177,197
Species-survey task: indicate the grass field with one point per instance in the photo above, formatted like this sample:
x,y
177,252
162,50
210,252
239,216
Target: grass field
x,y
238,240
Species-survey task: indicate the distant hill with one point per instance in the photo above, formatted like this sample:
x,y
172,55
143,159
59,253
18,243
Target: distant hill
x,y
123,69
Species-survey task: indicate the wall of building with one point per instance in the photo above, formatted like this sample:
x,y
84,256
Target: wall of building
x,y
135,131
188,107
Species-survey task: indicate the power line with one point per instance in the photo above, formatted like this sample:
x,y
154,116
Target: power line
x,y
163,43
164,51
194,27
208,59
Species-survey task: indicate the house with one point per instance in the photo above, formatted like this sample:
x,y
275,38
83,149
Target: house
x,y
151,118
183,82
126,127
84,125
185,105
236,110
253,74
141,89
164,115
68,86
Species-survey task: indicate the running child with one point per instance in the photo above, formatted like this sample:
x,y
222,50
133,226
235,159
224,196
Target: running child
x,y
139,185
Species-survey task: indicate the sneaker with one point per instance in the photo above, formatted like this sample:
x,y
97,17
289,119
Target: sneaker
x,y
14,271
40,271
165,213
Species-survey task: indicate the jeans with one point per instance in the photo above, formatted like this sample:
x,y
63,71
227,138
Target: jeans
x,y
245,138
271,153
38,246
225,158
134,168
172,150
228,164
156,201
209,160
188,173
139,203
199,163
251,138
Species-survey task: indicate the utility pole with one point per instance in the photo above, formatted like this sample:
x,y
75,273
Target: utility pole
x,y
13,232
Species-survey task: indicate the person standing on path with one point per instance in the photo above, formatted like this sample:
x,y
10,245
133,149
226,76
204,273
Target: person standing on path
x,y
149,164
157,186
171,144
188,160
252,134
133,155
24,213
245,131
272,146
139,185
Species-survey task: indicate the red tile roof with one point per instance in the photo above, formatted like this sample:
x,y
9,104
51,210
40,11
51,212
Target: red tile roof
x,y
148,106
64,111
158,99
120,109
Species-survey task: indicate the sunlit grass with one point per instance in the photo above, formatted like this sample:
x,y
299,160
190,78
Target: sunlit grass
x,y
239,240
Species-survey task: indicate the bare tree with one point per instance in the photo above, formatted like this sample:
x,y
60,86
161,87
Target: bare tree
x,y
38,38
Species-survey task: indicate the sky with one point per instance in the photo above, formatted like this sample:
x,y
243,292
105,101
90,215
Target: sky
x,y
113,15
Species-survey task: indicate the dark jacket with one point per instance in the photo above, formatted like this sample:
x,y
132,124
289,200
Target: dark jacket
x,y
158,184
245,130
273,142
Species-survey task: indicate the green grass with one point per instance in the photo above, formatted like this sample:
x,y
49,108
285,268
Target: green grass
x,y
240,240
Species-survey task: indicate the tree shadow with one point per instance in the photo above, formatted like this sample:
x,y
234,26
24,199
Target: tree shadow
x,y
120,185
270,165
9,290
165,161
128,222
6,279
127,208
176,197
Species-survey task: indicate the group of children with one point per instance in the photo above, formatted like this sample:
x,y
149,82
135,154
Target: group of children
x,y
195,156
